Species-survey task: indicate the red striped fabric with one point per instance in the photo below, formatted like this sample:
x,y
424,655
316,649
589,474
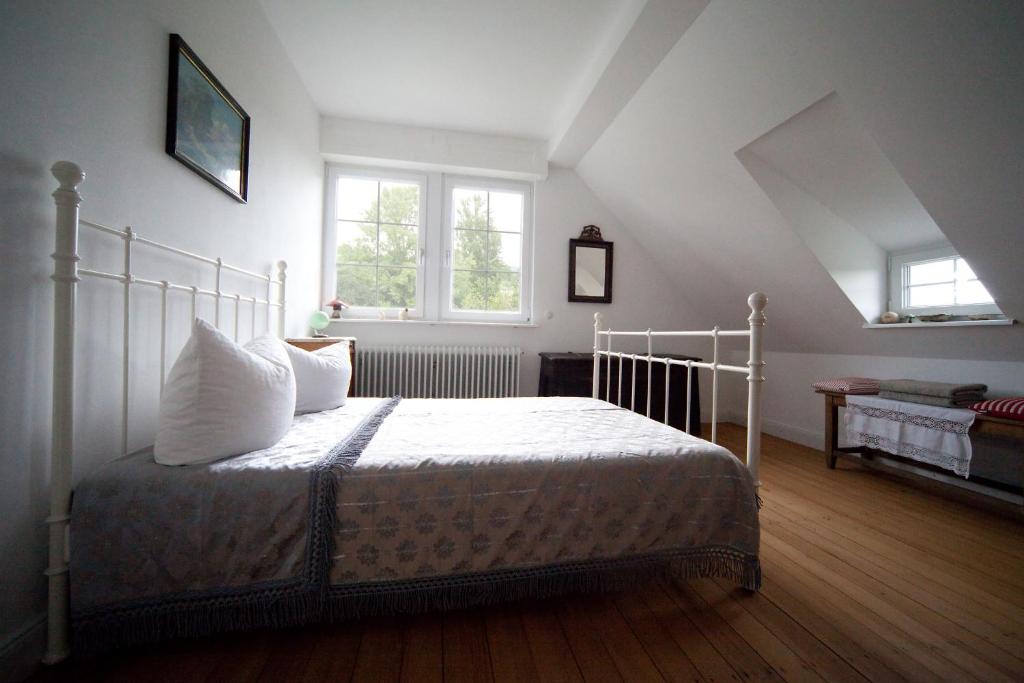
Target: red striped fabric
x,y
848,385
1010,408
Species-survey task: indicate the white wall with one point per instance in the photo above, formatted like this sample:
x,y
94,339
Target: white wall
x,y
430,149
87,82
935,83
643,294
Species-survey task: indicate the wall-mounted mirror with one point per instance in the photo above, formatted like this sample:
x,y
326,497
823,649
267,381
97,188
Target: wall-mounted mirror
x,y
590,271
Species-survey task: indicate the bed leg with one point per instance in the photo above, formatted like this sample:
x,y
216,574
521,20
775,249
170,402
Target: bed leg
x,y
831,431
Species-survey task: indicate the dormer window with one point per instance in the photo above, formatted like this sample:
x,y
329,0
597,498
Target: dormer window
x,y
936,280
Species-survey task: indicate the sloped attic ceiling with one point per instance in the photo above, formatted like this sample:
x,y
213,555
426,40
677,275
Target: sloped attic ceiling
x,y
937,84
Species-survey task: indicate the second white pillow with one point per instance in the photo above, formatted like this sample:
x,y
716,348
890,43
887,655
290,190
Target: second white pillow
x,y
322,377
221,399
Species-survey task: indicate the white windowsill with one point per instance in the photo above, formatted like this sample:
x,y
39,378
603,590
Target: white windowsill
x,y
948,323
391,321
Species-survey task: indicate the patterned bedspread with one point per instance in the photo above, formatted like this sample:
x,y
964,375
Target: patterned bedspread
x,y
437,504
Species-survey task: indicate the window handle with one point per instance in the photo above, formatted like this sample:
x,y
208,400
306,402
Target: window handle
x,y
423,256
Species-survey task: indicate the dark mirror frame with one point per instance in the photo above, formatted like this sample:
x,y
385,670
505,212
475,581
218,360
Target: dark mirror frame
x,y
609,249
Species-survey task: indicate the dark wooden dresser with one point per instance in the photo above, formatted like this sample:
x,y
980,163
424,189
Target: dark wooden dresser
x,y
571,374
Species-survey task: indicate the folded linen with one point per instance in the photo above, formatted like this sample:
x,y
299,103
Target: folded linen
x,y
847,385
934,435
958,401
940,389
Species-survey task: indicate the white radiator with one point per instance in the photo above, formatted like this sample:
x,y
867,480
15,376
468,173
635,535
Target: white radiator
x,y
438,371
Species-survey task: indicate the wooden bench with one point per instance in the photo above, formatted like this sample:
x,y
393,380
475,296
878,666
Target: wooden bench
x,y
983,424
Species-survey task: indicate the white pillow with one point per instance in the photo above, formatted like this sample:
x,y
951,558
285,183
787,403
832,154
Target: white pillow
x,y
221,399
321,377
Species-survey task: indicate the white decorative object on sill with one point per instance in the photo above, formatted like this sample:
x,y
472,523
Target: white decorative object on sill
x,y
382,314
403,314
889,317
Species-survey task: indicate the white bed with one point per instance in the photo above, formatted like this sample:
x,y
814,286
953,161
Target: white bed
x,y
383,506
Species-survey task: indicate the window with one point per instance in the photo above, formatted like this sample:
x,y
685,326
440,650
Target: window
x,y
937,281
485,240
444,247
377,223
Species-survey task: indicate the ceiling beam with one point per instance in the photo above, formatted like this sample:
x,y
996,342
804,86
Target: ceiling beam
x,y
659,26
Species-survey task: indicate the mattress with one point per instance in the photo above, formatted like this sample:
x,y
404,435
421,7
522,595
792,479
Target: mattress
x,y
399,505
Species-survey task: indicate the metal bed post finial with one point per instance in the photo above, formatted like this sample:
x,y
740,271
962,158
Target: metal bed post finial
x,y
598,322
65,278
755,380
282,267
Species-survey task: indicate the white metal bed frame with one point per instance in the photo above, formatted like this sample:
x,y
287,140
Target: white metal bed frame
x,y
754,372
67,274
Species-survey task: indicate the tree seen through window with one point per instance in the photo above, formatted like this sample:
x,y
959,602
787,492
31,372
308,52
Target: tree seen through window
x,y
378,245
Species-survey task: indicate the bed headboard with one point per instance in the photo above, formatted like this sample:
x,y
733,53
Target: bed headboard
x,y
66,276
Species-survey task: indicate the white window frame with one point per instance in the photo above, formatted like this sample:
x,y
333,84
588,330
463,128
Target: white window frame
x,y
330,237
433,272
899,263
524,314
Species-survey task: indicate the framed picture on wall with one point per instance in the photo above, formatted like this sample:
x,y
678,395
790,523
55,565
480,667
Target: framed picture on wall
x,y
207,130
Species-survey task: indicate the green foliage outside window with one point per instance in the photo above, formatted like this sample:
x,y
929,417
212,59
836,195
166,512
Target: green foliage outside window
x,y
376,257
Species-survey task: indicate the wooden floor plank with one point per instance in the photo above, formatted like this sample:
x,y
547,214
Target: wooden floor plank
x,y
422,649
892,558
743,658
866,578
511,659
786,663
672,662
711,665
931,536
552,655
904,612
380,651
466,657
334,654
949,616
592,657
917,645
601,617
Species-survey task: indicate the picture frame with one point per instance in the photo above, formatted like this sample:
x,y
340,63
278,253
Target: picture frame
x,y
207,130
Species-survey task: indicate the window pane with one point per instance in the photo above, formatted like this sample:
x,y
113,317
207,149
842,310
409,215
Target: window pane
x,y
399,245
357,199
357,285
400,203
469,209
932,295
972,292
505,252
931,271
964,271
357,243
503,292
470,252
469,291
397,288
506,211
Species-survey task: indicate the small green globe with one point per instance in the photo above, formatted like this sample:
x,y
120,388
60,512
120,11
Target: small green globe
x,y
319,321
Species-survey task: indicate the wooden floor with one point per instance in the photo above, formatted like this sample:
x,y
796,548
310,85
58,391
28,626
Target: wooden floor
x,y
865,578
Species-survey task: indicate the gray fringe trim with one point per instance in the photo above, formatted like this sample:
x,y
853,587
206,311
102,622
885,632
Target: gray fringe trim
x,y
270,604
484,588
